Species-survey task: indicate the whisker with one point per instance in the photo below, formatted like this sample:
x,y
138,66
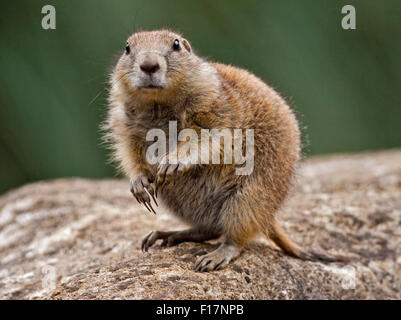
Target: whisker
x,y
113,83
93,100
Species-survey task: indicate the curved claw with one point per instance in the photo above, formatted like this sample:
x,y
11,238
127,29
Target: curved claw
x,y
151,208
152,192
152,237
135,193
144,246
136,198
143,191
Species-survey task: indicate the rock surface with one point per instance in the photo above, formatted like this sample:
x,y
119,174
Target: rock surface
x,y
75,238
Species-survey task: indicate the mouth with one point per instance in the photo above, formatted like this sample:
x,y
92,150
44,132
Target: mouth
x,y
151,87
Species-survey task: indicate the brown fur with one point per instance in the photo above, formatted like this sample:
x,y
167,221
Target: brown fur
x,y
199,94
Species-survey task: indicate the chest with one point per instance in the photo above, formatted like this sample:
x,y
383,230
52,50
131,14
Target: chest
x,y
141,122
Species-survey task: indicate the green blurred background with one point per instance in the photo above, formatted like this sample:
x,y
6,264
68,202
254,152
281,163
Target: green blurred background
x,y
344,84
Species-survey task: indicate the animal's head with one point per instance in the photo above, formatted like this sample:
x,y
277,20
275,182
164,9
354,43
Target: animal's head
x,y
153,63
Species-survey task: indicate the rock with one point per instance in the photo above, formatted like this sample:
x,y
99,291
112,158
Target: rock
x,y
76,238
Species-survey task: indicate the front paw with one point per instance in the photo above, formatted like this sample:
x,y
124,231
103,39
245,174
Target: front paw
x,y
141,188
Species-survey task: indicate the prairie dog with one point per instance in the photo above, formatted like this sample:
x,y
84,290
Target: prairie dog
x,y
159,79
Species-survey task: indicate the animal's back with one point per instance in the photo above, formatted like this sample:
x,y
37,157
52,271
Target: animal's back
x,y
276,132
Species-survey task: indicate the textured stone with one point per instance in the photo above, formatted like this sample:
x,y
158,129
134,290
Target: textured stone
x,y
76,238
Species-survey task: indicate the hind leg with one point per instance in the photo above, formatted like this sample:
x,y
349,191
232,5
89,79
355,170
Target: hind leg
x,y
171,238
237,220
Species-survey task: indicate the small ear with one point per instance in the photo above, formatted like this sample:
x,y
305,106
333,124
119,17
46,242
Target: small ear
x,y
186,45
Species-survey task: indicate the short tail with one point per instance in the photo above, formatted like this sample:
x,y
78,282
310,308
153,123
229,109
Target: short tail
x,y
278,236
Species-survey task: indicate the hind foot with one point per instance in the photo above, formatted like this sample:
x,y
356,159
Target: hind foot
x,y
171,238
219,258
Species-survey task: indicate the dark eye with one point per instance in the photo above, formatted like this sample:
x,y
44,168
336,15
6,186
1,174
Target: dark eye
x,y
127,48
176,45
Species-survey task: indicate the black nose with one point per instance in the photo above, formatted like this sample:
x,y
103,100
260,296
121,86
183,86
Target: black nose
x,y
149,68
